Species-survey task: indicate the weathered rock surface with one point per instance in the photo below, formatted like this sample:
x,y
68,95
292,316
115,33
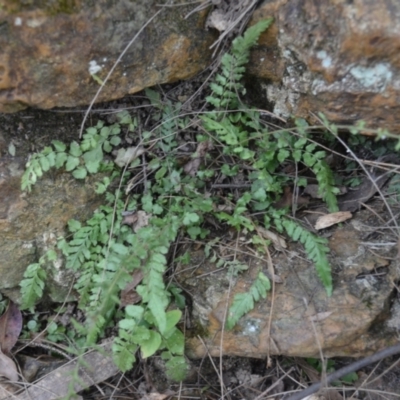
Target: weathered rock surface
x,y
48,52
355,321
337,57
30,223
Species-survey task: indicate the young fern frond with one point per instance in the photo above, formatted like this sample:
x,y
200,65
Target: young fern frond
x,y
316,249
244,302
32,285
80,159
227,88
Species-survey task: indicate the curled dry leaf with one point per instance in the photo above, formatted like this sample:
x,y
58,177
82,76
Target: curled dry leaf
x,y
10,327
136,220
193,165
217,20
331,219
320,316
126,156
129,295
8,368
278,241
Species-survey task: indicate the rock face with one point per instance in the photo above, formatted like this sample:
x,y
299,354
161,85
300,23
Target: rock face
x,y
31,223
355,321
49,52
338,57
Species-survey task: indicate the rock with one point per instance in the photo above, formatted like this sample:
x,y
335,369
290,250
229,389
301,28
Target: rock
x,y
357,319
49,52
340,58
30,223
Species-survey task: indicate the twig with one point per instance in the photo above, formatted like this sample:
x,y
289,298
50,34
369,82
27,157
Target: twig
x,y
265,392
380,355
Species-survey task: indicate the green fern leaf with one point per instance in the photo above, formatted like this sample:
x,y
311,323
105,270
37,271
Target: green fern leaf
x,y
32,285
316,249
176,369
124,351
244,302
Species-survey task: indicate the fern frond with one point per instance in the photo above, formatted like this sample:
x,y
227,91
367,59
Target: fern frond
x,y
316,248
124,351
32,285
326,183
244,302
227,88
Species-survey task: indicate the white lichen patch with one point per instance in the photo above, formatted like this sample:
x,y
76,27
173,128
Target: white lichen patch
x,y
18,21
35,22
377,76
358,79
94,68
326,60
251,326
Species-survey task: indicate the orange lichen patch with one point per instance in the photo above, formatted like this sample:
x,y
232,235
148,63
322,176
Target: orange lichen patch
x,y
372,45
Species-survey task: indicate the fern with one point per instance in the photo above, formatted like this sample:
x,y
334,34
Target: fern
x,y
104,252
244,302
33,282
81,158
227,87
316,249
32,285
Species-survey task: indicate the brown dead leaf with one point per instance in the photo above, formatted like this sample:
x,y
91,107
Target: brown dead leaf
x,y
331,219
10,327
204,147
193,165
136,220
8,368
126,156
217,20
129,294
8,389
129,218
278,241
320,316
287,199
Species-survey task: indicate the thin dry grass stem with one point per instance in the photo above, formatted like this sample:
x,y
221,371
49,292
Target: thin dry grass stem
x,y
394,364
217,371
242,18
276,383
321,354
202,6
113,68
223,324
290,376
272,273
355,366
115,387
